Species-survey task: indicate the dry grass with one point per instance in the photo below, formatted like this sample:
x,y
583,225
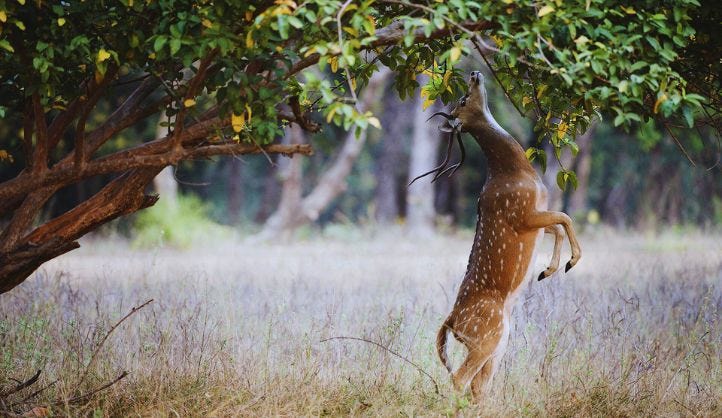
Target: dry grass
x,y
235,329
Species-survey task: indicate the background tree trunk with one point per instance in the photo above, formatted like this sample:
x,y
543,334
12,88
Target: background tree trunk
x,y
287,214
389,170
234,190
293,210
165,183
578,204
420,211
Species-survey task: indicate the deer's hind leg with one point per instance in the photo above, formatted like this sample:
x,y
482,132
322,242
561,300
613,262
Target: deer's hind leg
x,y
481,335
481,383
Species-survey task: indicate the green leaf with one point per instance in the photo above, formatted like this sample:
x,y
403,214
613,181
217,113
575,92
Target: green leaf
x,y
159,43
4,44
562,179
688,116
175,45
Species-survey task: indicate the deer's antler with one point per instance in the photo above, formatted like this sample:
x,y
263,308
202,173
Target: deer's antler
x,y
442,166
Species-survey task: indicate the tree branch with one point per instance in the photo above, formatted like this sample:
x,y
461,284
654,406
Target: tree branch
x,y
390,35
94,93
40,154
28,133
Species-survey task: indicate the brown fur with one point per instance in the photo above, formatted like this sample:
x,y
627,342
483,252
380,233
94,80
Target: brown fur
x,y
511,216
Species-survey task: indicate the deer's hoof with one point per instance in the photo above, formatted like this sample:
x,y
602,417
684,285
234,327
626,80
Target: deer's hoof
x,y
568,267
541,277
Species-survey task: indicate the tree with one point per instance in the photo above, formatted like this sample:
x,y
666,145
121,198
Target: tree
x,y
420,212
390,163
61,61
294,209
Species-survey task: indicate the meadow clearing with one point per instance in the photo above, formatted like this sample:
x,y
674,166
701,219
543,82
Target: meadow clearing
x,y
240,329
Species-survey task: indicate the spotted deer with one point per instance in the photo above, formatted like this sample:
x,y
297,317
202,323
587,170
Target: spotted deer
x,y
512,219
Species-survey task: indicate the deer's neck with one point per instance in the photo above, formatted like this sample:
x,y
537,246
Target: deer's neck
x,y
503,153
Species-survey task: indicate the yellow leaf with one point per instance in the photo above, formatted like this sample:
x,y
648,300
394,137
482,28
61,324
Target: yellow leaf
x,y
21,2
61,21
497,40
373,121
207,23
334,63
629,10
541,91
281,10
189,103
290,3
455,53
581,40
445,80
5,156
249,112
545,11
427,102
562,129
373,24
249,16
3,16
151,55
526,100
102,55
661,99
249,40
237,122
330,115
353,83
351,31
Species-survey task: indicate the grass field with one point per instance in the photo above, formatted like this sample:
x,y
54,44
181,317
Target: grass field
x,y
237,329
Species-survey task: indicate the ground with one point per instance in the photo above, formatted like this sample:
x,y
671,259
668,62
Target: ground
x,y
242,329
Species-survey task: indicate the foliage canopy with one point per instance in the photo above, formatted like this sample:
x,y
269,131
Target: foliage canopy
x,y
561,61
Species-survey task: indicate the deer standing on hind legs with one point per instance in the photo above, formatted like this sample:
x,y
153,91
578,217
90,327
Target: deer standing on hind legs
x,y
512,218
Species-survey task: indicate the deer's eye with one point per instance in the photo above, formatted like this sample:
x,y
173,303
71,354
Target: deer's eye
x,y
462,103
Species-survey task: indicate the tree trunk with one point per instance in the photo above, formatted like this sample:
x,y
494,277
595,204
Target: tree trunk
x,y
234,190
583,167
122,196
420,211
164,183
396,121
294,211
287,214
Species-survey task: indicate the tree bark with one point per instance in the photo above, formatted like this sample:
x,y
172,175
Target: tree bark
x,y
420,211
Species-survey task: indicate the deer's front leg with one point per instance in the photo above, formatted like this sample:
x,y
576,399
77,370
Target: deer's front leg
x,y
558,233
536,220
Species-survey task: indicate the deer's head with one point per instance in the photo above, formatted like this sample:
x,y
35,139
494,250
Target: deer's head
x,y
468,110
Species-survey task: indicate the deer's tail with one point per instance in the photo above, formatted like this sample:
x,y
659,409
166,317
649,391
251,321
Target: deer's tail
x,y
441,338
